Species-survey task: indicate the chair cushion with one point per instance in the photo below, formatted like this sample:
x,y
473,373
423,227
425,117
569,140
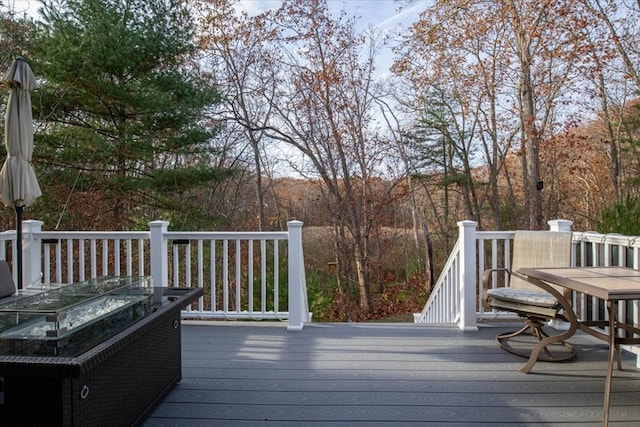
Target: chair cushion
x,y
525,296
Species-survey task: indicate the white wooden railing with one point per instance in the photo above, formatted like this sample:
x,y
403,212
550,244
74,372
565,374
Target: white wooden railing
x,y
239,271
457,295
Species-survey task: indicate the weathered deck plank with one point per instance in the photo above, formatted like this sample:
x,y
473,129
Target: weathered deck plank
x,y
384,374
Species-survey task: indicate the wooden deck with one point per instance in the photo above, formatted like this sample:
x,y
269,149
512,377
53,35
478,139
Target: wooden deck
x,y
376,374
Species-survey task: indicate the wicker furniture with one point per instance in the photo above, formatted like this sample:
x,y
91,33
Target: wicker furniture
x,y
116,382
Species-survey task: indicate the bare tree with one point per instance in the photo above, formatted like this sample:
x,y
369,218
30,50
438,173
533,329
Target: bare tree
x,y
497,69
324,108
233,45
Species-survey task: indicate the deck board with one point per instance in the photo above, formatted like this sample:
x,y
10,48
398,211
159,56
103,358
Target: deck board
x,y
384,375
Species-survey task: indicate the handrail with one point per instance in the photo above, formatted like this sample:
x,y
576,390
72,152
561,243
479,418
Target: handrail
x,y
446,303
240,271
436,309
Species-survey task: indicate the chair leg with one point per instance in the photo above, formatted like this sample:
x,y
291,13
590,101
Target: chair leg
x,y
540,334
533,328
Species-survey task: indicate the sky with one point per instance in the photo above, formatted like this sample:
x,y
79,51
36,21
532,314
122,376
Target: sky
x,y
376,13
385,16
382,15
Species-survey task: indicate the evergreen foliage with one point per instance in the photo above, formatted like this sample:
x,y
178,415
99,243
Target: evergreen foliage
x,y
123,110
622,218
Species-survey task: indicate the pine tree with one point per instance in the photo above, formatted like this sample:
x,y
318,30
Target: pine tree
x,y
122,110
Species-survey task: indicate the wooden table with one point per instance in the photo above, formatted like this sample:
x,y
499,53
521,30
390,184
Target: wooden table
x,y
610,284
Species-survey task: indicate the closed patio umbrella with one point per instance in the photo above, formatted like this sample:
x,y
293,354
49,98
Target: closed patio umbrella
x,y
18,183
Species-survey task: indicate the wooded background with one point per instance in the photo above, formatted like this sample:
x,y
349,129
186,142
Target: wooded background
x,y
509,113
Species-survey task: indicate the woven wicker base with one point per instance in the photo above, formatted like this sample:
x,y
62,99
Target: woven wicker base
x,y
117,383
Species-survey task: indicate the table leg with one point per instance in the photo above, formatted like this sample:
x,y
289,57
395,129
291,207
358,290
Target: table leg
x,y
612,310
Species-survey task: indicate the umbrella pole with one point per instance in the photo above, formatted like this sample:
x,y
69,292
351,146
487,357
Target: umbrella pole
x,y
19,210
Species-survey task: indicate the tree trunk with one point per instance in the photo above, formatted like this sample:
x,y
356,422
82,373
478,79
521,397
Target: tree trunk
x,y
531,137
361,278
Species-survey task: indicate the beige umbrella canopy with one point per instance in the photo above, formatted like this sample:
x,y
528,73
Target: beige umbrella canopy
x,y
18,183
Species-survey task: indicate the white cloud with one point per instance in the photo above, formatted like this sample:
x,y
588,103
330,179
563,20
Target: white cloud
x,y
370,13
255,7
27,7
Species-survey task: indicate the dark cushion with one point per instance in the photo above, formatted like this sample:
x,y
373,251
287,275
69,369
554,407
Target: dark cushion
x,y
7,287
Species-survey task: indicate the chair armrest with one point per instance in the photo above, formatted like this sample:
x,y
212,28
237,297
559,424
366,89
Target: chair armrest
x,y
486,278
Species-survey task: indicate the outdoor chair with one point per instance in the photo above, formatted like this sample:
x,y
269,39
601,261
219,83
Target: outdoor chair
x,y
531,249
7,286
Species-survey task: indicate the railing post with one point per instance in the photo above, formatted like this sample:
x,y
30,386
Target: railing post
x,y
159,256
467,279
31,252
560,225
297,298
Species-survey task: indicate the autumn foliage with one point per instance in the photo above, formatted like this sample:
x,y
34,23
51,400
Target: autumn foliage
x,y
509,113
